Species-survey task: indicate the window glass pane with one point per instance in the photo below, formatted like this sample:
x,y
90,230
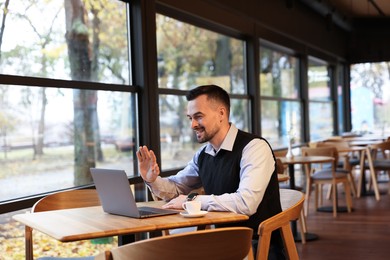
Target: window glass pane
x,y
178,141
321,120
50,137
370,98
278,120
319,81
340,98
239,113
64,40
279,75
190,56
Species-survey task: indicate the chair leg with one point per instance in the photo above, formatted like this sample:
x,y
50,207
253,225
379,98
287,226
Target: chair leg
x,y
328,195
334,199
263,246
307,197
316,193
302,226
29,243
348,197
353,185
373,176
289,243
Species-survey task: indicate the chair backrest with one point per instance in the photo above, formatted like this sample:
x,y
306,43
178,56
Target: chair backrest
x,y
292,202
221,243
380,150
337,144
280,153
60,200
280,170
330,151
279,166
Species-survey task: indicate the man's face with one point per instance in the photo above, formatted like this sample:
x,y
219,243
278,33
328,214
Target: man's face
x,y
205,116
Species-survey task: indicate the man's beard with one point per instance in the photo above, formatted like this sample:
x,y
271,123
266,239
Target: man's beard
x,y
204,136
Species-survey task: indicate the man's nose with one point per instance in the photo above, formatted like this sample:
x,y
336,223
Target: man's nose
x,y
194,123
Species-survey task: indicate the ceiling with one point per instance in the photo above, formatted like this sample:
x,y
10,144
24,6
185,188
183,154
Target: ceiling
x,y
348,13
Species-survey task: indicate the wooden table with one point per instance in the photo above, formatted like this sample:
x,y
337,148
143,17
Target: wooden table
x,y
291,161
363,142
91,222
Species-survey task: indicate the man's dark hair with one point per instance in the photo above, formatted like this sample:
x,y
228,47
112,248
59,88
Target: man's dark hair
x,y
212,92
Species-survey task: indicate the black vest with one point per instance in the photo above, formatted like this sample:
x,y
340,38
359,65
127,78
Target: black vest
x,y
221,174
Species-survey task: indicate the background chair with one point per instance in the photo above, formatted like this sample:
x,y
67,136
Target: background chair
x,y
320,176
346,161
221,243
293,201
285,201
57,201
378,161
281,170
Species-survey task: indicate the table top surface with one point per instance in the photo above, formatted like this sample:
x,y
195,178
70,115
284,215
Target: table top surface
x,y
306,159
351,149
364,142
366,138
92,222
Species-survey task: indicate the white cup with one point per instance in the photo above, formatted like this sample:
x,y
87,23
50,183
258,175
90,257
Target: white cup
x,y
192,207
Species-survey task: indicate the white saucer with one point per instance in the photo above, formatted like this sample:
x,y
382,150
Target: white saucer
x,y
197,215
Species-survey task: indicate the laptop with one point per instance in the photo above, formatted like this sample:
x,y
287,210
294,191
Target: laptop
x,y
117,197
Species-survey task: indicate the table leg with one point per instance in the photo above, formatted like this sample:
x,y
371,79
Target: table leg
x,y
291,172
297,235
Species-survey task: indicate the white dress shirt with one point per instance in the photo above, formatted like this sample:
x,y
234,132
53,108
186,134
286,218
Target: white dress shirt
x,y
256,167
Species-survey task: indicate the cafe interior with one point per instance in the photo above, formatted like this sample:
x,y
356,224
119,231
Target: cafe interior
x,y
92,81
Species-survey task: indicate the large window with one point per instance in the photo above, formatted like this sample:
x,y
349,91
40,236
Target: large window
x,y
370,98
321,114
78,40
189,56
279,90
58,118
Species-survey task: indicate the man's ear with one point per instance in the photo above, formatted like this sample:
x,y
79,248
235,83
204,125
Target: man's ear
x,y
222,112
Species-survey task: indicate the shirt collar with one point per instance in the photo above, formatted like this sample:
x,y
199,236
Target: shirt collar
x,y
227,143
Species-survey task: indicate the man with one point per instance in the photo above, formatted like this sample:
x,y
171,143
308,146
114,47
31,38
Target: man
x,y
236,169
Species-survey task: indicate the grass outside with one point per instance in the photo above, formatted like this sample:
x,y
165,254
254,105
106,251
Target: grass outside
x,y
12,244
18,162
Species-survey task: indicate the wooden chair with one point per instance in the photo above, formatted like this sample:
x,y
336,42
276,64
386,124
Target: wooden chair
x,y
281,170
222,243
57,201
378,160
293,201
282,177
346,162
320,176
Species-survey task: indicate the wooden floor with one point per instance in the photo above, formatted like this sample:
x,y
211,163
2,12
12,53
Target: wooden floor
x,y
361,234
